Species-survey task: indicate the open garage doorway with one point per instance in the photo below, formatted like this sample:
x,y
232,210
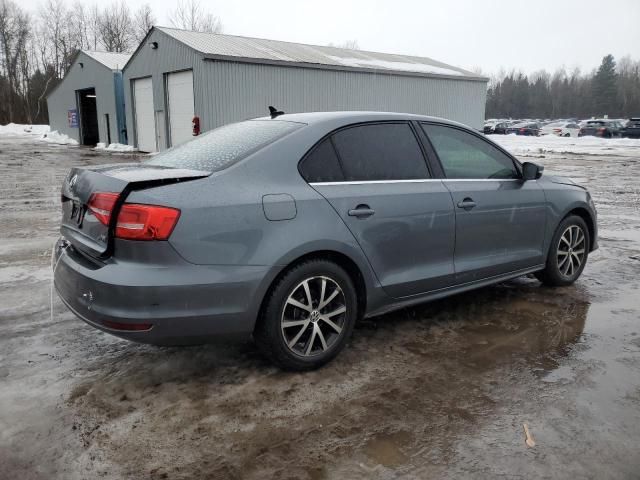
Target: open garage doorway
x,y
88,116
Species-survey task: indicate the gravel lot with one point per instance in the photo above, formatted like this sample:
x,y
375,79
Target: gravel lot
x,y
437,391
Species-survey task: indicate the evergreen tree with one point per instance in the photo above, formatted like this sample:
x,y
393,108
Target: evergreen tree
x,y
605,89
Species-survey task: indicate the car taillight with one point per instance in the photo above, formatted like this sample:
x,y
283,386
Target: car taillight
x,y
101,205
146,222
602,129
557,130
522,130
135,221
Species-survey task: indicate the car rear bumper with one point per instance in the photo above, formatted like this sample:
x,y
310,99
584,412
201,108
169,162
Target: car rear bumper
x,y
165,305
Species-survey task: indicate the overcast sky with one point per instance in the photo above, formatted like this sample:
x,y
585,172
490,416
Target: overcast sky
x,y
486,34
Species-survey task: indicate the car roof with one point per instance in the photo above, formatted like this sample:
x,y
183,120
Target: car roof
x,y
348,117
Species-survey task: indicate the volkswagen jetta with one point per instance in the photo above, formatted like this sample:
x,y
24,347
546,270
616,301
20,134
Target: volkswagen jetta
x,y
291,227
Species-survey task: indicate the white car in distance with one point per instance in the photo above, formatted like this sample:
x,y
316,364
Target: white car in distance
x,y
561,129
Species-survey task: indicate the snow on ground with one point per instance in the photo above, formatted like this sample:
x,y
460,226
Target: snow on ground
x,y
16,129
528,146
59,138
41,131
113,147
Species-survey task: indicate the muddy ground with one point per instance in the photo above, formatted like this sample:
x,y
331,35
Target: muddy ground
x,y
437,391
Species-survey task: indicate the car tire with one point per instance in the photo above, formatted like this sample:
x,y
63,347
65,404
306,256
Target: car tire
x,y
308,316
570,243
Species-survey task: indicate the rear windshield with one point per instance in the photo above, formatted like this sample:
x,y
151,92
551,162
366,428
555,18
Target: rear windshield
x,y
596,122
220,148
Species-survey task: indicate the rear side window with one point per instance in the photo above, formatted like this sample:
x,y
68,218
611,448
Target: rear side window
x,y
322,164
388,151
464,155
224,146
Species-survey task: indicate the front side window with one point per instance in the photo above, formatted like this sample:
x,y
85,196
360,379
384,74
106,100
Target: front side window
x,y
224,146
385,151
465,156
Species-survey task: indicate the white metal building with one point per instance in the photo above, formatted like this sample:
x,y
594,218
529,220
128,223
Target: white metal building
x,y
175,75
88,104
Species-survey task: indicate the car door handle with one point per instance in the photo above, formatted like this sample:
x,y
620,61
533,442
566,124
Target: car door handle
x,y
361,211
467,204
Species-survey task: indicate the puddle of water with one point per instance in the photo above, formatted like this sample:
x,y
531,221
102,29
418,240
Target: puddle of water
x,y
388,449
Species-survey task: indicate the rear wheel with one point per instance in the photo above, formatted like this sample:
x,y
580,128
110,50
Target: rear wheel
x,y
308,316
568,253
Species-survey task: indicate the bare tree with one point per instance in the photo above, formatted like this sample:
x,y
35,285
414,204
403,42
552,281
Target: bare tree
x,y
53,30
143,20
14,35
190,15
116,28
348,44
93,27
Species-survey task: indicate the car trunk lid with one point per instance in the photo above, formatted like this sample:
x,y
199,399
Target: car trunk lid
x,y
90,226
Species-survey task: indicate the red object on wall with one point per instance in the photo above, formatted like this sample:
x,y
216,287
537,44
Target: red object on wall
x,y
195,123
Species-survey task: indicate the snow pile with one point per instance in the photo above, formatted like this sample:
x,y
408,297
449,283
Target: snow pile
x,y
113,147
16,129
528,146
58,138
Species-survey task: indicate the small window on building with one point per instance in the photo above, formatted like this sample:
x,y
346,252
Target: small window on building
x,y
387,151
322,164
224,146
464,155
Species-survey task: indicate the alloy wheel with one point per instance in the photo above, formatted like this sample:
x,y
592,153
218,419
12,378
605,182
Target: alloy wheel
x,y
571,250
313,316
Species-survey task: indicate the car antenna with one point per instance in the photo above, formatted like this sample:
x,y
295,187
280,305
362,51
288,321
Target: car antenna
x,y
274,112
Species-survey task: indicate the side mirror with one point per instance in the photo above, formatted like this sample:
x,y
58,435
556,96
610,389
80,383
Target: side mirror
x,y
531,171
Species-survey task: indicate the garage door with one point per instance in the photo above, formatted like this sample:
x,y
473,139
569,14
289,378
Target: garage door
x,y
145,122
180,96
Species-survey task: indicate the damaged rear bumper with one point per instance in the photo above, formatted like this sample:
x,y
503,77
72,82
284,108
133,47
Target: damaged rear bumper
x,y
179,303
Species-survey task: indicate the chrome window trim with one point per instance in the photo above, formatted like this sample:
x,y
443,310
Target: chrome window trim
x,y
373,182
368,182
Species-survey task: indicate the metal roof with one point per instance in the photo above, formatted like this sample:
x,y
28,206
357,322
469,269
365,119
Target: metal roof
x,y
113,61
214,45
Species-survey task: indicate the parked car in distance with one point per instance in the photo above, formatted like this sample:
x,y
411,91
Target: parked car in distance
x,y
561,129
632,128
488,127
290,228
526,128
601,128
500,128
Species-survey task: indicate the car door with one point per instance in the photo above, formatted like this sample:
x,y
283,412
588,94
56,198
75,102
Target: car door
x,y
500,219
402,218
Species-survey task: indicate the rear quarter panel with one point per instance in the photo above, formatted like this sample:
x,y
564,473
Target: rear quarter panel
x,y
223,222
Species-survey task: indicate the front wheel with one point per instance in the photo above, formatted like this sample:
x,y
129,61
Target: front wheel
x,y
308,316
568,253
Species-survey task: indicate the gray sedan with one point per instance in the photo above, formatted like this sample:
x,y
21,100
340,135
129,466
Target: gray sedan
x,y
292,227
